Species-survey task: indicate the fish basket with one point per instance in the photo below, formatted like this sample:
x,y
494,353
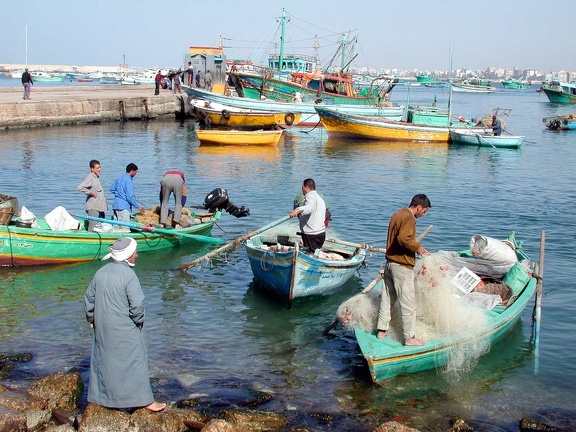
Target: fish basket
x,y
465,280
8,207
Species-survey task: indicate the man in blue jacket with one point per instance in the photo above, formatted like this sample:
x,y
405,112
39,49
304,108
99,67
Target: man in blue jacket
x,y
124,197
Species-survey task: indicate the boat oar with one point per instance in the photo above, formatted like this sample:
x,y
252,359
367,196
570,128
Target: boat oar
x,y
358,245
538,302
150,228
493,146
233,243
381,271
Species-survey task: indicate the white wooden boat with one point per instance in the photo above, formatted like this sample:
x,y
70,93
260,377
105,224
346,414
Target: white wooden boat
x,y
479,139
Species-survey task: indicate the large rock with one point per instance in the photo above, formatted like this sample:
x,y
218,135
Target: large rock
x,y
35,409
255,420
12,420
219,425
393,426
61,390
100,419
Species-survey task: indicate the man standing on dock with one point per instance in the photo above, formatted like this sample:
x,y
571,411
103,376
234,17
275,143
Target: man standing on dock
x,y
27,82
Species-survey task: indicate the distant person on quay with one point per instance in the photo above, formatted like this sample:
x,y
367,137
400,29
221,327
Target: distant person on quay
x,y
158,82
113,303
124,197
208,80
190,72
27,82
172,183
95,199
176,83
235,81
312,216
401,249
198,79
496,126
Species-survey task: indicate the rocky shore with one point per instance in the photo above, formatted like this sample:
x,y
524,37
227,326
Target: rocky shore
x,y
53,404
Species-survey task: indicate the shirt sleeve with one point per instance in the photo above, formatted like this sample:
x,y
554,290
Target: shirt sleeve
x,y
86,186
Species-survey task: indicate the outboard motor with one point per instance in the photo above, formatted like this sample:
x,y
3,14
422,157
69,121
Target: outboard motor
x,y
218,200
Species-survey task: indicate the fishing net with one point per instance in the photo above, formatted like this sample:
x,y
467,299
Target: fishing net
x,y
151,216
444,310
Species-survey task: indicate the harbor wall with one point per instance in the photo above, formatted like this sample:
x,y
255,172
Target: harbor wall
x,y
50,106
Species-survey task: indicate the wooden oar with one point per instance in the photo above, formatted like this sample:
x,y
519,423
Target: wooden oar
x,y
358,245
493,146
538,302
150,228
381,271
233,243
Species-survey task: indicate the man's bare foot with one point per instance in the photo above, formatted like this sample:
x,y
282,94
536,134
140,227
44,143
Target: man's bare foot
x,y
414,342
156,406
381,334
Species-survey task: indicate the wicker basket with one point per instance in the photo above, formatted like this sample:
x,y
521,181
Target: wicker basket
x,y
8,207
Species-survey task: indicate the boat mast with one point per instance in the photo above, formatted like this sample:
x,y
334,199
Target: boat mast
x,y
283,28
26,44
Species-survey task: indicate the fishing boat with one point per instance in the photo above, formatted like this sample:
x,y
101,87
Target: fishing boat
x,y
514,84
215,114
239,137
84,79
565,122
47,77
484,139
339,125
291,74
285,271
466,87
559,92
309,116
427,80
493,319
22,244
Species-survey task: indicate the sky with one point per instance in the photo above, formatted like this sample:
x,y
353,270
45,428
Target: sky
x,y
401,34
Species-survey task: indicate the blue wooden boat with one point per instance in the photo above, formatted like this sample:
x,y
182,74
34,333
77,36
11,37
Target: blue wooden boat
x,y
565,122
286,271
387,357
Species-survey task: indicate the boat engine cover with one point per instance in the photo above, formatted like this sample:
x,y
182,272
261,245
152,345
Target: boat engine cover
x,y
217,199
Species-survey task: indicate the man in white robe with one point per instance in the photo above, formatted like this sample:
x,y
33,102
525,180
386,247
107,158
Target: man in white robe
x,y
119,376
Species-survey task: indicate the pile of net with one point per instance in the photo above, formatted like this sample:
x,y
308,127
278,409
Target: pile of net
x,y
151,216
443,309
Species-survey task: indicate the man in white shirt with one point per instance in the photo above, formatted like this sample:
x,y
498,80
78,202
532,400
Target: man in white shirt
x,y
311,215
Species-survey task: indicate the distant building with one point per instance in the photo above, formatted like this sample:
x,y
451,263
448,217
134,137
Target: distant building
x,y
207,58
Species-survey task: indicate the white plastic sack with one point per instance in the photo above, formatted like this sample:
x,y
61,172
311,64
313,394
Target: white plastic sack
x,y
60,220
26,215
492,249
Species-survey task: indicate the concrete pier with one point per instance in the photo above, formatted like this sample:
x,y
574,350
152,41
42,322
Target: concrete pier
x,y
50,106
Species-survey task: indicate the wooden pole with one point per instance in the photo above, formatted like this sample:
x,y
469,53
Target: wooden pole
x,y
233,243
358,245
150,228
538,302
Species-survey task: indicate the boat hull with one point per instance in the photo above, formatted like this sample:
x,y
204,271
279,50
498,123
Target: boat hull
x,y
387,358
483,140
556,95
292,273
210,113
39,246
472,88
309,115
357,127
234,137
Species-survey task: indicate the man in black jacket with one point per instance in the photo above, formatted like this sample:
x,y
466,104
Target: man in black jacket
x,y
27,82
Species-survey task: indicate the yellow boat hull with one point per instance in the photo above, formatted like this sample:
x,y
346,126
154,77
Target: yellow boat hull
x,y
235,137
214,114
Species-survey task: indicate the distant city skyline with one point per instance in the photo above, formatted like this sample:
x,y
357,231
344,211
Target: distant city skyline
x,y
404,35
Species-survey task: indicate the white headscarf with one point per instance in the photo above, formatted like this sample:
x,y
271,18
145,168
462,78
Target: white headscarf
x,y
122,249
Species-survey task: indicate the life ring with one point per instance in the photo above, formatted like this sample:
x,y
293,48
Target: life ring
x,y
289,119
208,120
226,114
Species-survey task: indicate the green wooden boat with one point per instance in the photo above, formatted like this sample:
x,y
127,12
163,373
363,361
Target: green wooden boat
x,y
387,358
558,92
515,84
21,245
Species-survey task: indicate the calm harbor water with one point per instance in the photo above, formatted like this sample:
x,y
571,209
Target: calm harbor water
x,y
210,329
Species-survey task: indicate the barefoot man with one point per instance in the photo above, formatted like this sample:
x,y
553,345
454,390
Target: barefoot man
x,y
401,249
